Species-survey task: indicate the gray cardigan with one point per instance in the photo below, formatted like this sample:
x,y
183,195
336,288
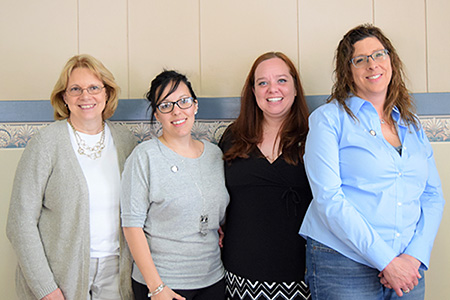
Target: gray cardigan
x,y
48,220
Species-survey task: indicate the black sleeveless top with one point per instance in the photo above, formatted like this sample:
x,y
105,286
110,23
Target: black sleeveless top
x,y
267,204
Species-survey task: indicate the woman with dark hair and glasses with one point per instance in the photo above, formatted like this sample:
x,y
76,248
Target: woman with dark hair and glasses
x,y
377,194
64,220
173,201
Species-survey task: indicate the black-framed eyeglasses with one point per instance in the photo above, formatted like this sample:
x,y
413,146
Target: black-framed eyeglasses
x,y
183,103
78,91
363,60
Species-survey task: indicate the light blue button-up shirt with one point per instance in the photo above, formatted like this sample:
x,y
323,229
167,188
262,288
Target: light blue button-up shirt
x,y
370,204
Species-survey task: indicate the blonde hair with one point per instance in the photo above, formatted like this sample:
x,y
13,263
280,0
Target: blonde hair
x,y
84,61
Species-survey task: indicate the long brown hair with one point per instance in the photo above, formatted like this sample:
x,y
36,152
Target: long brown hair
x,y
248,128
397,94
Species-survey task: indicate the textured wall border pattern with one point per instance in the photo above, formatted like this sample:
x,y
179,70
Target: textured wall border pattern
x,y
17,135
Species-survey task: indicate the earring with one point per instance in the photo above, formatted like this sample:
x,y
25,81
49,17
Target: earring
x,y
196,112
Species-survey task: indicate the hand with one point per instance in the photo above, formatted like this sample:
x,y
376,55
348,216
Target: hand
x,y
167,294
221,236
401,274
55,295
383,281
415,262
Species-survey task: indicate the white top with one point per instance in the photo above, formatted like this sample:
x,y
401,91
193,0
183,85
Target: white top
x,y
103,180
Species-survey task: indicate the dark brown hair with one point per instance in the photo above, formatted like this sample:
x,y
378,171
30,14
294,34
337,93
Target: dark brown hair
x,y
248,128
159,84
397,94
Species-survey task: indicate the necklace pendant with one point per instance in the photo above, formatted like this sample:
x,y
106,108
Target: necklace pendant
x,y
96,155
93,152
204,224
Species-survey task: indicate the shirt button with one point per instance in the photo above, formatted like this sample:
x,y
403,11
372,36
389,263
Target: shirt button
x,y
399,203
397,234
399,173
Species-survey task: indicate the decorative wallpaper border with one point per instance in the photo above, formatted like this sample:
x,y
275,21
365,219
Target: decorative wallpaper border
x,y
17,135
436,128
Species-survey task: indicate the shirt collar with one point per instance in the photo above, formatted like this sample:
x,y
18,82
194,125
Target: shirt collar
x,y
396,115
355,104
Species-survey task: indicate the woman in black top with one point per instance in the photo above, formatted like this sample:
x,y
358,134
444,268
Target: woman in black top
x,y
263,254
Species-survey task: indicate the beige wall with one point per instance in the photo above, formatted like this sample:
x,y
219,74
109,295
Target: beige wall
x,y
214,42
437,277
8,163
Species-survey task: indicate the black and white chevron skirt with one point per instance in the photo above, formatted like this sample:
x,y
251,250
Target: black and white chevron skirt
x,y
238,288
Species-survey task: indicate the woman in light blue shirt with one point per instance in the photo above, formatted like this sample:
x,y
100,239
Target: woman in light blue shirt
x,y
377,194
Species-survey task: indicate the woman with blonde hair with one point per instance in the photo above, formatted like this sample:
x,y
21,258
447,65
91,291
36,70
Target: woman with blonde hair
x,y
63,219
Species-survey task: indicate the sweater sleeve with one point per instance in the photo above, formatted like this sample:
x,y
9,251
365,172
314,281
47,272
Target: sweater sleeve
x,y
135,189
22,229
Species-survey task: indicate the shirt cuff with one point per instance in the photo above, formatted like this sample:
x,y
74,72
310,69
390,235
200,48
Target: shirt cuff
x,y
380,254
41,292
133,221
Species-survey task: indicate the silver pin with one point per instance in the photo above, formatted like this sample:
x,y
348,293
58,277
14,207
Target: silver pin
x,y
174,169
372,132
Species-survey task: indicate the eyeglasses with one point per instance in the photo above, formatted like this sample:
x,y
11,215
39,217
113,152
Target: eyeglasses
x,y
183,103
78,91
363,60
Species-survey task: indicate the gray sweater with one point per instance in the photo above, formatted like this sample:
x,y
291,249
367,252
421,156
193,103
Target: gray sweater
x,y
165,194
48,220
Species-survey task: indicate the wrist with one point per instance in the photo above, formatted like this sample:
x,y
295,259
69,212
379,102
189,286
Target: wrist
x,y
158,290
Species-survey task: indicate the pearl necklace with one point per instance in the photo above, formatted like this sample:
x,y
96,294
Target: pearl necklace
x,y
83,149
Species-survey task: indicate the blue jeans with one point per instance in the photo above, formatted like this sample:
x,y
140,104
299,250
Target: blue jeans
x,y
332,276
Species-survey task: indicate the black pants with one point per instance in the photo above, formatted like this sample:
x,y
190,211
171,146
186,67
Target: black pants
x,y
212,292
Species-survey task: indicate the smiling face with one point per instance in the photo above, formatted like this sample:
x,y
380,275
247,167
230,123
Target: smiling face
x,y
178,123
372,80
274,88
85,108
